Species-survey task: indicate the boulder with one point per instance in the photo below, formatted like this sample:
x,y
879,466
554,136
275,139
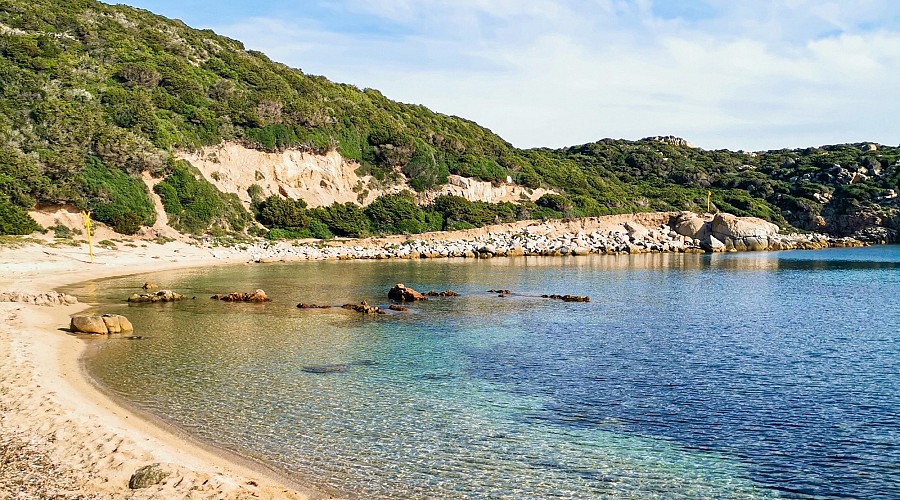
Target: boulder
x,y
146,476
712,244
364,307
88,324
636,231
100,325
258,296
691,225
756,244
726,225
160,296
401,293
445,293
149,285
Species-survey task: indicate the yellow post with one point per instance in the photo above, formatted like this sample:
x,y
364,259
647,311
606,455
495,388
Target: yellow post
x,y
708,196
87,226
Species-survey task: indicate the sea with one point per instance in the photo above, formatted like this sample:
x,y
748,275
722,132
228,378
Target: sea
x,y
741,375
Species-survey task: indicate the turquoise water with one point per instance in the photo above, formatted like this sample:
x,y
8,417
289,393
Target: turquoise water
x,y
750,375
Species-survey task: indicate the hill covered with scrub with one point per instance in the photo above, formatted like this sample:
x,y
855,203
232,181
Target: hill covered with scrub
x,y
93,96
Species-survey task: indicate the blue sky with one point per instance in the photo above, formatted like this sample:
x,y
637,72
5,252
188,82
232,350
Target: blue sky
x,y
734,74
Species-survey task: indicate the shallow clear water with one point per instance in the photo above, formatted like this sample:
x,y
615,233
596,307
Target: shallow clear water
x,y
726,376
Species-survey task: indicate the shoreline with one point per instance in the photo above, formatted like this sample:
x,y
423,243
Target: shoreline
x,y
48,399
90,442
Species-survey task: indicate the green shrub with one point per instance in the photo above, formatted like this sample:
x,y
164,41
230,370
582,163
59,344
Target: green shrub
x,y
426,169
196,206
283,213
255,192
14,220
399,214
556,202
61,231
115,198
344,219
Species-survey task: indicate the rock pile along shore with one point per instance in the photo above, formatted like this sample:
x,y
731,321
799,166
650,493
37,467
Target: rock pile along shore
x,y
51,298
684,232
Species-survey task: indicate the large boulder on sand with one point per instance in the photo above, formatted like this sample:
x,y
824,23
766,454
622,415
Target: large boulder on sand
x,y
100,325
731,226
401,293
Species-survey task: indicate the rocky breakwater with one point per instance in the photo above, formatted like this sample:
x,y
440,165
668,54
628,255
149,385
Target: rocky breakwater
x,y
684,232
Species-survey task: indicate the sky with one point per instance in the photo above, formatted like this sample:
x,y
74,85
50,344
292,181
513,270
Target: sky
x,y
742,75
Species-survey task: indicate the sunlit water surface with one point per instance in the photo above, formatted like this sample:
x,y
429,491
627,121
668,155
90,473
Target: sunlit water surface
x,y
725,376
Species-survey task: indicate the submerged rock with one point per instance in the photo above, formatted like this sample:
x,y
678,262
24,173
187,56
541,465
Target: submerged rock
x,y
445,293
335,368
312,306
401,293
395,307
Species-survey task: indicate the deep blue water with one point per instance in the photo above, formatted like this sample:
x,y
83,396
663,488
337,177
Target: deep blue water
x,y
727,376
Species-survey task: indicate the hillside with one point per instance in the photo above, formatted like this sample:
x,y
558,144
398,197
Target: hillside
x,y
93,96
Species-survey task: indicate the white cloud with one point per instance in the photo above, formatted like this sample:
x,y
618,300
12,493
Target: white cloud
x,y
752,75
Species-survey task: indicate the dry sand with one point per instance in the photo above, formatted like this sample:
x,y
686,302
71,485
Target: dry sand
x,y
62,438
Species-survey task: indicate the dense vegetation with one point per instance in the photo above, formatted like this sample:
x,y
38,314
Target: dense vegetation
x,y
93,95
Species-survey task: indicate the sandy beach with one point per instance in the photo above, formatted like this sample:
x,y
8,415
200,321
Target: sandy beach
x,y
60,437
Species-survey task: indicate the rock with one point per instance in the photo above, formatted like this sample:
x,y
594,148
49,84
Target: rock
x,y
149,286
500,291
160,296
712,244
51,298
364,307
726,225
258,296
568,298
311,306
88,324
395,307
636,231
100,325
756,244
147,476
445,293
691,225
401,293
